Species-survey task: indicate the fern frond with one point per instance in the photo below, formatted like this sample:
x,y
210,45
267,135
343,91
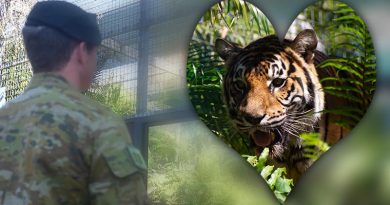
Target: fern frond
x,y
343,65
343,80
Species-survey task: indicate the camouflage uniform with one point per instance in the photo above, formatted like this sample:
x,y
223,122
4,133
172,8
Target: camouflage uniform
x,y
59,147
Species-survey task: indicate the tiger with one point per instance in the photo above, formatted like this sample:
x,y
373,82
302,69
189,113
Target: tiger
x,y
273,94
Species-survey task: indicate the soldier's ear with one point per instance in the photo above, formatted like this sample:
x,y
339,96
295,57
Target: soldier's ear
x,y
305,43
225,49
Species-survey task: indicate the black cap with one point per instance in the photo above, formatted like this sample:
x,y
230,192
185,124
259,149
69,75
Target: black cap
x,y
66,18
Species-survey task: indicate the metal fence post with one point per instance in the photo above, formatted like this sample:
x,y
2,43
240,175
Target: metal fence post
x,y
139,129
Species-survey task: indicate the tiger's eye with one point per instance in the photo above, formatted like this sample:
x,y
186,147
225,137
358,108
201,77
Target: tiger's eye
x,y
277,82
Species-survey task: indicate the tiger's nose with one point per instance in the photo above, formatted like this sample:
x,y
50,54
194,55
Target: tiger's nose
x,y
253,120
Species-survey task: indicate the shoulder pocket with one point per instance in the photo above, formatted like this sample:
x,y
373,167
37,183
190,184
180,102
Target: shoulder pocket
x,y
125,162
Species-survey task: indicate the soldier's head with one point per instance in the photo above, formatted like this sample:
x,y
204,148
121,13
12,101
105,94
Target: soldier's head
x,y
60,37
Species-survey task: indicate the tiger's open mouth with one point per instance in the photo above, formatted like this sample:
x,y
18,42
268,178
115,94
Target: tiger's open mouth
x,y
267,134
264,138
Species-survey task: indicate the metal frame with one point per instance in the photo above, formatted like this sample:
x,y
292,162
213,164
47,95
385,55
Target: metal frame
x,y
139,29
139,124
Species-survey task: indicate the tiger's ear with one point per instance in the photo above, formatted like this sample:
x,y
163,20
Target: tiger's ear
x,y
305,43
225,49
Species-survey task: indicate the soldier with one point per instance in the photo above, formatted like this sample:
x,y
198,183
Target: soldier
x,y
57,146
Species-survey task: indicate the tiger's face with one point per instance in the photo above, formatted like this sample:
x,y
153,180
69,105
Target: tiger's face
x,y
272,87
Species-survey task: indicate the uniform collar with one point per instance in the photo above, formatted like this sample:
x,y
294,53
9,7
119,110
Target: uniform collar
x,y
49,80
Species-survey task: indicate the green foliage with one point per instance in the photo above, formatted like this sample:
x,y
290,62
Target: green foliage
x,y
314,147
176,175
15,70
230,19
166,147
205,71
351,68
275,178
352,62
203,170
239,22
113,96
204,75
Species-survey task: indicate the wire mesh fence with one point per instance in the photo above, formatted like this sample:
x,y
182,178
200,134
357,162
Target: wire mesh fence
x,y
140,71
15,70
125,58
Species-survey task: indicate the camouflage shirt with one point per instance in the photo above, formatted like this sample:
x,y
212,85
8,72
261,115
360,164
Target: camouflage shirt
x,y
57,146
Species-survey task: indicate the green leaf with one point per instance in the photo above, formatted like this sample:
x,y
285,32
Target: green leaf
x,y
370,72
342,64
313,139
345,10
350,19
253,11
266,25
344,96
251,159
267,171
245,14
370,79
344,88
345,109
346,80
275,175
283,185
262,159
280,196
352,37
370,65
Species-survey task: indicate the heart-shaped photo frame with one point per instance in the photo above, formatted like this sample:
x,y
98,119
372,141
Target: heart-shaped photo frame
x,y
281,104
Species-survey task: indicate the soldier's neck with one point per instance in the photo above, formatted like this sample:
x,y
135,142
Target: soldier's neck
x,y
71,76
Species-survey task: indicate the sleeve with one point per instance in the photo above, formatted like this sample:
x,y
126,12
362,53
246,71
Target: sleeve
x,y
118,170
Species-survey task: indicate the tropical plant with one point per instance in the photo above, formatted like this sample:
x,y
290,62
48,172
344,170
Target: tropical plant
x,y
204,74
237,21
314,147
352,61
351,65
112,95
275,178
241,23
174,172
188,167
230,19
